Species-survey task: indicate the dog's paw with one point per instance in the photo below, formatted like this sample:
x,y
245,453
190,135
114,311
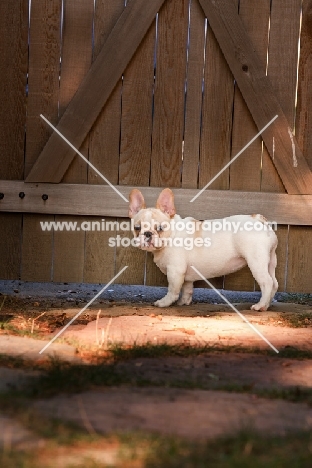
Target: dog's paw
x,y
259,307
184,301
161,303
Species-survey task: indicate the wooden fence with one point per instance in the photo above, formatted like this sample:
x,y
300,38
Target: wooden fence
x,y
169,110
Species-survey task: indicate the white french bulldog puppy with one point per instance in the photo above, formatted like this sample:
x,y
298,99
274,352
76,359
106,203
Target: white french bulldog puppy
x,y
180,243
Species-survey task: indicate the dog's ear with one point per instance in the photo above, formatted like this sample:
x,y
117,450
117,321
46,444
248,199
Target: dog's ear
x,y
165,202
137,202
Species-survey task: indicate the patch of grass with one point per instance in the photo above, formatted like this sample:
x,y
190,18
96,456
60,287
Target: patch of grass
x,y
59,377
297,320
246,450
150,350
14,330
15,362
14,459
292,352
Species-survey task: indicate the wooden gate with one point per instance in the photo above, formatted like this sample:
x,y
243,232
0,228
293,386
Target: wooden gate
x,y
154,94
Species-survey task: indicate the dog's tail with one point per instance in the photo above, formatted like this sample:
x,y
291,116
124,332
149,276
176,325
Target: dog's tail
x,y
260,218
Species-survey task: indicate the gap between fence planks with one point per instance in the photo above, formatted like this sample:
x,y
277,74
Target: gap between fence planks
x,y
92,95
258,94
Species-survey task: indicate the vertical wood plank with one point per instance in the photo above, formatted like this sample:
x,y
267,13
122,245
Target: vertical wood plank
x,y
217,106
13,72
169,97
282,71
300,238
136,119
100,259
245,172
135,145
133,257
36,265
10,245
215,143
105,135
194,96
43,94
76,59
13,69
68,252
169,101
299,271
43,79
304,107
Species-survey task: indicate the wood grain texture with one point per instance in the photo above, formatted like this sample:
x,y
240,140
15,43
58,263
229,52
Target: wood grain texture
x,y
300,238
43,78
68,252
99,263
105,134
169,95
245,172
299,268
258,94
36,256
76,59
104,150
136,138
304,107
100,200
136,118
130,256
43,96
215,143
13,71
97,86
10,246
282,72
194,96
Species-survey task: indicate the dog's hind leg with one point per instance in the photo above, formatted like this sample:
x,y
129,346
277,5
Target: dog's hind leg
x,y
259,266
187,293
272,267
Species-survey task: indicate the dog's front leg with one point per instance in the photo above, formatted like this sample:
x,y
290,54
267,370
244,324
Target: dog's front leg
x,y
175,281
187,293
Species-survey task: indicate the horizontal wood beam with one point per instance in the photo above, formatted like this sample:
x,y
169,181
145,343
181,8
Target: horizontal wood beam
x,y
95,90
101,200
258,94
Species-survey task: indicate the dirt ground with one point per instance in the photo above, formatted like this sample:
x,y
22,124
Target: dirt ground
x,y
234,381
